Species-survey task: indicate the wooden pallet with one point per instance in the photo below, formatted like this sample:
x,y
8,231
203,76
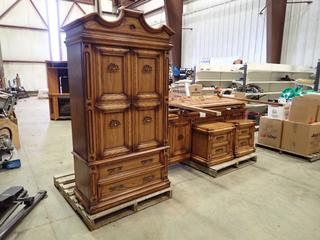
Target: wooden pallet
x,y
226,167
310,158
66,184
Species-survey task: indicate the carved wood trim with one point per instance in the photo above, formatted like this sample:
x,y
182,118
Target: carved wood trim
x,y
109,103
125,13
147,68
94,180
113,68
114,123
115,151
89,103
146,101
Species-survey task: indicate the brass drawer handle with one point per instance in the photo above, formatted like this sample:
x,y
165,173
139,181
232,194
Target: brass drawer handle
x,y
148,178
117,188
147,161
147,120
219,138
243,143
180,137
219,150
114,123
114,170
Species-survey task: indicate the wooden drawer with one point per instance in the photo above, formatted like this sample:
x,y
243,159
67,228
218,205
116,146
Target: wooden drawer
x,y
243,132
244,142
235,114
111,169
212,143
219,151
220,138
244,137
123,185
179,139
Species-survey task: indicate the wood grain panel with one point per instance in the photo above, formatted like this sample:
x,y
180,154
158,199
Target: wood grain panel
x,y
147,93
113,88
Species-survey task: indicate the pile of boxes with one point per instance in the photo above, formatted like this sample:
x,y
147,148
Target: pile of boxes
x,y
297,130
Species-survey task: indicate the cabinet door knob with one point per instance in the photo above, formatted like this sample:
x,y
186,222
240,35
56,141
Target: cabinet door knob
x,y
112,67
147,119
147,68
114,123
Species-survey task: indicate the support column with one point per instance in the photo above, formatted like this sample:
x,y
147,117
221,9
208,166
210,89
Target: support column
x,y
98,7
276,13
1,70
174,10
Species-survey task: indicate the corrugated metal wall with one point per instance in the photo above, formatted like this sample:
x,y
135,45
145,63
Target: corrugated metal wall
x,y
222,29
301,42
68,12
157,18
24,38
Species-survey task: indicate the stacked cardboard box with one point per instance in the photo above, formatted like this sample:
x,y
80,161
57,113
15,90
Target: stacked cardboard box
x,y
300,133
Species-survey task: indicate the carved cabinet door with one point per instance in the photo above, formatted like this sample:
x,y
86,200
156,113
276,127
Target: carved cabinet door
x,y
113,99
147,93
180,140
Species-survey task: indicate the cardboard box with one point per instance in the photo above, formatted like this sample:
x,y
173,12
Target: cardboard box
x,y
195,89
279,112
270,132
305,109
301,138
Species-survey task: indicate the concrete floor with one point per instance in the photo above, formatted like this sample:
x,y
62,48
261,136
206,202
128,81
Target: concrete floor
x,y
277,198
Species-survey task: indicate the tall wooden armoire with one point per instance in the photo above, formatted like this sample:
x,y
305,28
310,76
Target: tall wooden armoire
x,y
118,76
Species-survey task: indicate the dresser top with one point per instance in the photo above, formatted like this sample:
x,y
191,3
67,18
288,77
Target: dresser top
x,y
216,126
130,23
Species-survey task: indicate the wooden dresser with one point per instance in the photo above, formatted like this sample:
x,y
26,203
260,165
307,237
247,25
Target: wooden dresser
x,y
118,76
179,138
212,143
243,137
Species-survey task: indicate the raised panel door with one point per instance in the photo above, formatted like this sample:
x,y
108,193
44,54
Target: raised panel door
x,y
180,141
147,98
113,91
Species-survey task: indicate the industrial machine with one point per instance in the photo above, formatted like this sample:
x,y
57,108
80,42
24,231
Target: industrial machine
x,y
7,103
11,200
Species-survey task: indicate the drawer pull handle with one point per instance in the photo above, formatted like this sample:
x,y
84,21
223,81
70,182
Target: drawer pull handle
x,y
147,120
220,138
114,123
243,144
117,188
219,150
244,131
114,170
180,137
148,178
112,67
147,161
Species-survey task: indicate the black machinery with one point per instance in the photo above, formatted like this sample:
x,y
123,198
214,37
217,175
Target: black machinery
x,y
10,201
7,103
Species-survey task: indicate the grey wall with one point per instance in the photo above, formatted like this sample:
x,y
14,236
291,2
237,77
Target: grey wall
x,y
301,43
224,29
